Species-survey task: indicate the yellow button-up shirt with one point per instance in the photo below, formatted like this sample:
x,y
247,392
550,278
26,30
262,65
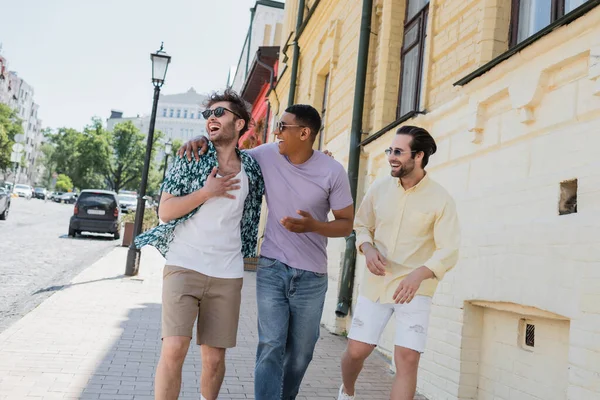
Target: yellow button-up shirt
x,y
410,228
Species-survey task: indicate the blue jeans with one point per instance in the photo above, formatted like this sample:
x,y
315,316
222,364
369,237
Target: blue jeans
x,y
290,306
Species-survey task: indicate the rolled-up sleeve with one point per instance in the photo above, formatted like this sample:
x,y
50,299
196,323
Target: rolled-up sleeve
x,y
446,234
364,222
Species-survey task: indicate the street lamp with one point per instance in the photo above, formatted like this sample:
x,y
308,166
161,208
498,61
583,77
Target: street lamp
x,y
160,63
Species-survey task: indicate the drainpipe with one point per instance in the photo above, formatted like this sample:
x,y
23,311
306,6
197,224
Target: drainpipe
x,y
252,11
296,56
271,84
347,283
266,131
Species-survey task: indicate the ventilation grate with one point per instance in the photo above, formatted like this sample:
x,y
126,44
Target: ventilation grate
x,y
530,335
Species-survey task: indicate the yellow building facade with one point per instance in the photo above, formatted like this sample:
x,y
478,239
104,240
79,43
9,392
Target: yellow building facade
x,y
510,89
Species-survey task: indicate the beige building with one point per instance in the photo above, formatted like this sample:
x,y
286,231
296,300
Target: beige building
x,y
510,89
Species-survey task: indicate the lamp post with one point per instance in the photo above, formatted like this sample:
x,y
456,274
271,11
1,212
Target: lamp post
x,y
160,63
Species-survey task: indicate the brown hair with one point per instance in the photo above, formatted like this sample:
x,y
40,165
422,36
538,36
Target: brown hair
x,y
236,102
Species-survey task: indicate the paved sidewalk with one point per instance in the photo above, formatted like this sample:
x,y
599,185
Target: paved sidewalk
x,y
99,338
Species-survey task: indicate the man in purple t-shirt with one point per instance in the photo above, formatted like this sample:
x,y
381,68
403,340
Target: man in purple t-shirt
x,y
301,187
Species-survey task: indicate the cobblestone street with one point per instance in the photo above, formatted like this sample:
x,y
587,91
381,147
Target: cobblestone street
x,y
37,256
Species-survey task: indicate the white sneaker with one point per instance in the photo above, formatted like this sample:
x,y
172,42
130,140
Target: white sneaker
x,y
344,396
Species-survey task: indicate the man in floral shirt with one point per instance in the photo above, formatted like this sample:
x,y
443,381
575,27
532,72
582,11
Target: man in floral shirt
x,y
211,210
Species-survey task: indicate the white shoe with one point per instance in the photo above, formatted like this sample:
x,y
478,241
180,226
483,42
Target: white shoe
x,y
344,396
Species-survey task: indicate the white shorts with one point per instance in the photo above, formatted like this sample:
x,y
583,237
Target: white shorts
x,y
412,321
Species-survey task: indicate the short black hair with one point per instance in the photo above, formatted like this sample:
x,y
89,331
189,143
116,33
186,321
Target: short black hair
x,y
237,103
421,141
306,115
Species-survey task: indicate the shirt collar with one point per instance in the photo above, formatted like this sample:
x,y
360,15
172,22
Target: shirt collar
x,y
212,151
418,186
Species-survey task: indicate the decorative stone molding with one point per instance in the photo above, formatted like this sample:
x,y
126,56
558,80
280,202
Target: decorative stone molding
x,y
525,92
476,121
326,56
525,115
334,33
378,8
594,68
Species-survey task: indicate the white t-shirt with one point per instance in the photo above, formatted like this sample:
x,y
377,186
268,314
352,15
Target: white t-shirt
x,y
210,242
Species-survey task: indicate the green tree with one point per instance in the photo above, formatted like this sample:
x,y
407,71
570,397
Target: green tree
x,y
124,171
84,156
156,174
94,156
65,156
63,183
10,125
45,160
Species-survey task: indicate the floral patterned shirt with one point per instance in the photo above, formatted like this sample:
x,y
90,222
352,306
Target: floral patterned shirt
x,y
186,177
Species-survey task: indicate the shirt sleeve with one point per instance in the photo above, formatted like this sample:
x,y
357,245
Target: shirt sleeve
x,y
364,222
446,234
340,196
257,152
177,177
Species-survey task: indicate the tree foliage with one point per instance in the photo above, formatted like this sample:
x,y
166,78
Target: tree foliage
x,y
10,125
100,159
127,159
47,150
63,183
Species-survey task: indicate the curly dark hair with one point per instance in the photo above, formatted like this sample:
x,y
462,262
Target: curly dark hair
x,y
236,102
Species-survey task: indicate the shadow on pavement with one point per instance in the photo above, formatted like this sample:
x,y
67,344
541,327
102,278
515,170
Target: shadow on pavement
x,y
60,287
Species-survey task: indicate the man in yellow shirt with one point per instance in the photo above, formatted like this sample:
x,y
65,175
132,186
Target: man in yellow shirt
x,y
408,231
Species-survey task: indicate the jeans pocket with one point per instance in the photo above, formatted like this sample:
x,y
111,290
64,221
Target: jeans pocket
x,y
320,274
264,262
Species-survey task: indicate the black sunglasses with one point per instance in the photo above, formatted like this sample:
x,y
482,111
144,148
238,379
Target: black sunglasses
x,y
280,126
219,111
398,152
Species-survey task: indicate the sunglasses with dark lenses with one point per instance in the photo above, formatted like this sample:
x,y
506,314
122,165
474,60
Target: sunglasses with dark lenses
x,y
219,111
280,126
397,152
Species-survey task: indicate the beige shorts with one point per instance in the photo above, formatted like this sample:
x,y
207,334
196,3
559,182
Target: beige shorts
x,y
188,294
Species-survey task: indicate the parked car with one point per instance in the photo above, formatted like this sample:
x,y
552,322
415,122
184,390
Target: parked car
x,y
23,191
127,202
40,193
54,195
96,211
4,203
67,198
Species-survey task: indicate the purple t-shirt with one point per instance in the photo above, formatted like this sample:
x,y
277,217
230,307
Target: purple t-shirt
x,y
317,186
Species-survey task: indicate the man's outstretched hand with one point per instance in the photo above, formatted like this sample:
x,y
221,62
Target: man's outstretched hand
x,y
196,145
300,225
